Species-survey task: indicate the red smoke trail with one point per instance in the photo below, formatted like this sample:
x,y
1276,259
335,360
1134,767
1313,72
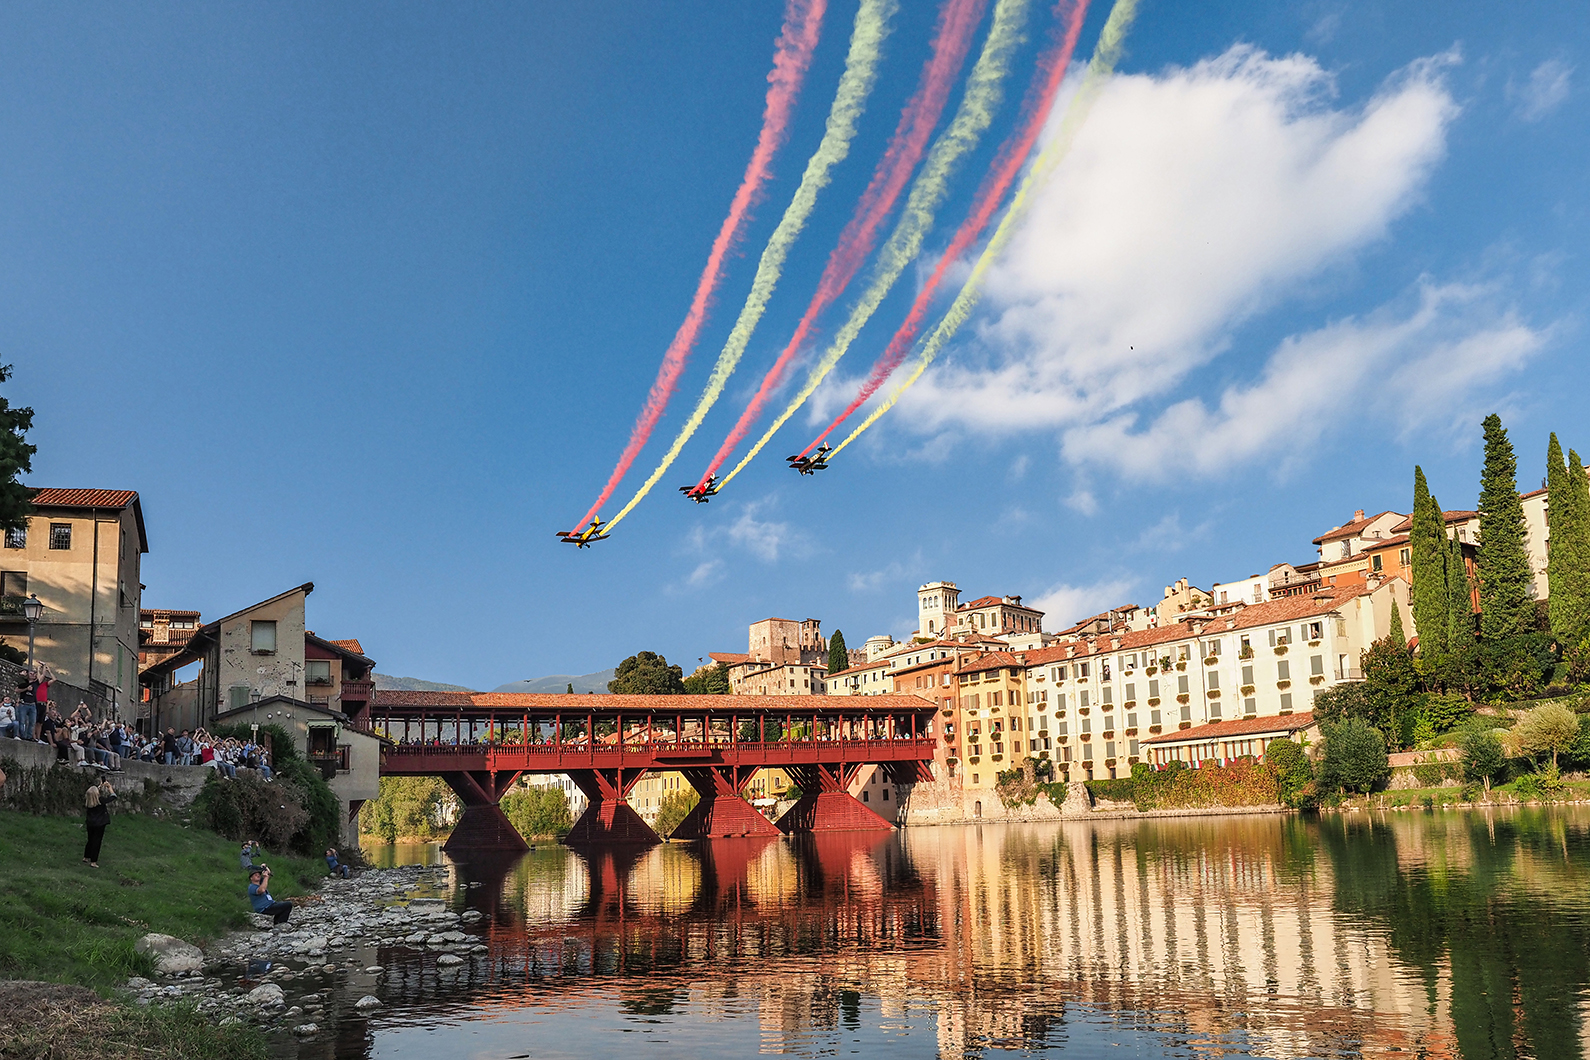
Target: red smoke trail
x,y
1039,102
797,39
958,19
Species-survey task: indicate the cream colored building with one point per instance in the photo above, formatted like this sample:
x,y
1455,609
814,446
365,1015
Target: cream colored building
x,y
80,554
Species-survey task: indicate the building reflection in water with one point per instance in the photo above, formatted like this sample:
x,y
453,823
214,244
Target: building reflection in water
x,y
1446,935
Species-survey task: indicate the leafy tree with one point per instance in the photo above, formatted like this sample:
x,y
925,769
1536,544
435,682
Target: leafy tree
x,y
1350,699
1293,771
1354,758
709,681
409,808
16,458
1482,756
571,688
1391,684
1552,727
838,657
538,813
1427,545
647,674
675,807
1447,712
1503,562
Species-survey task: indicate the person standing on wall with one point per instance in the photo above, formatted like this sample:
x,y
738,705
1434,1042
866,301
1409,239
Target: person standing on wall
x,y
97,802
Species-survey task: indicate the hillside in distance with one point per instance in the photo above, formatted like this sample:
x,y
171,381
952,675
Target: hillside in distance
x,y
596,682
414,684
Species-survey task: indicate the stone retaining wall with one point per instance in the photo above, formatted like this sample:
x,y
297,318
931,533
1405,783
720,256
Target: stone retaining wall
x,y
178,784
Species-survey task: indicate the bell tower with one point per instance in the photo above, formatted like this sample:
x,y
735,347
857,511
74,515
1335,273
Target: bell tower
x,y
935,608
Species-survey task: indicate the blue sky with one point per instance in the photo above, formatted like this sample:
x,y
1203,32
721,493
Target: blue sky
x,y
370,295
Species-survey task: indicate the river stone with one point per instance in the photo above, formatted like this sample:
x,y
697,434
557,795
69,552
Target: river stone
x,y
309,945
306,1030
138,983
265,995
367,1003
374,969
448,960
172,955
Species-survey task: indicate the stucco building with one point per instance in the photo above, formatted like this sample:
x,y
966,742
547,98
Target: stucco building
x,y
80,554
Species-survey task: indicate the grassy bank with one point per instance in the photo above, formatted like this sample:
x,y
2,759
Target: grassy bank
x,y
64,922
1510,794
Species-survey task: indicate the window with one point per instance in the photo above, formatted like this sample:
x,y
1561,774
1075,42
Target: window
x,y
1181,684
1060,701
1132,748
1286,702
1153,690
1131,720
145,623
996,699
1131,692
317,672
1108,693
262,637
1043,722
1316,630
1404,557
61,536
1316,666
1087,725
1375,563
1082,699
17,538
1283,671
1250,706
1109,749
1212,647
1214,710
1214,679
1062,728
14,583
1247,675
1082,671
1153,717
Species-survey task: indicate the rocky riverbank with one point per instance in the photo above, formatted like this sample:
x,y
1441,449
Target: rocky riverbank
x,y
304,976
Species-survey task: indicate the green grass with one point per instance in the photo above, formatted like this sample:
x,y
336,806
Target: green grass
x,y
61,921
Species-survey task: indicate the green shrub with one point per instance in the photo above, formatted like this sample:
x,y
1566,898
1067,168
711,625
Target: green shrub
x,y
1482,754
1431,774
249,808
1293,771
58,790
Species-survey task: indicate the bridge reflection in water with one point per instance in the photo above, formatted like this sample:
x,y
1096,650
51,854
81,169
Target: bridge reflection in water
x,y
1444,935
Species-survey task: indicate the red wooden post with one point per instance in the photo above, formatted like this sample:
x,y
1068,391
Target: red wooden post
x,y
557,731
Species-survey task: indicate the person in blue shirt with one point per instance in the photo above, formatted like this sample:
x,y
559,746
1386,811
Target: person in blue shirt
x,y
335,864
259,896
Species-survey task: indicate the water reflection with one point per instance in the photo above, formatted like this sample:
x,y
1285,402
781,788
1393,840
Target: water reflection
x,y
1444,935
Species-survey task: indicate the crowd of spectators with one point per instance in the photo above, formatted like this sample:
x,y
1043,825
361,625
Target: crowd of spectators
x,y
103,744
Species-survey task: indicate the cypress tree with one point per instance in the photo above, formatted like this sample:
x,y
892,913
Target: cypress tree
x,y
1505,606
838,657
1397,635
1570,528
1427,546
1559,520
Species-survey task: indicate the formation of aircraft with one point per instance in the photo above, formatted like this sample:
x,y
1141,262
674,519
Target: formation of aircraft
x,y
701,492
583,538
810,465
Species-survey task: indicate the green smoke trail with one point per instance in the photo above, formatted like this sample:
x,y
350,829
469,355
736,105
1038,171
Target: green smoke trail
x,y
855,84
984,93
1100,69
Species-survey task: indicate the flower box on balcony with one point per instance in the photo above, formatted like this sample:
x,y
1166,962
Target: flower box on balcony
x,y
1151,670
1317,679
1153,728
1129,703
1246,653
1211,660
1283,684
1214,693
1184,725
1183,698
1313,644
1153,701
1280,649
1247,690
1182,665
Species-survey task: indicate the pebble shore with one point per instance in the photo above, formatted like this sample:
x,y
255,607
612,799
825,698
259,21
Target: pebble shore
x,y
300,975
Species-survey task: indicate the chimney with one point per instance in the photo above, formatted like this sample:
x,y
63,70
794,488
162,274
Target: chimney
x,y
1115,643
1358,515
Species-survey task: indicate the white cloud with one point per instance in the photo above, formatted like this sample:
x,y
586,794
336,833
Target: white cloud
x,y
1192,200
706,572
1403,366
1066,605
764,538
1545,90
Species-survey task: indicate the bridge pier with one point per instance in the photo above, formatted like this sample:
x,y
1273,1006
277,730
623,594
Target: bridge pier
x,y
722,813
826,804
483,825
608,819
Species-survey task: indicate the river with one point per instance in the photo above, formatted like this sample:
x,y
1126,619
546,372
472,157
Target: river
x,y
1436,934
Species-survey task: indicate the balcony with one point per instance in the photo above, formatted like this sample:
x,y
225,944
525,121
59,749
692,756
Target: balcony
x,y
11,606
360,691
332,762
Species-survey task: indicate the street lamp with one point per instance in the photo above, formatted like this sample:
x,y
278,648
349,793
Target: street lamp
x,y
31,610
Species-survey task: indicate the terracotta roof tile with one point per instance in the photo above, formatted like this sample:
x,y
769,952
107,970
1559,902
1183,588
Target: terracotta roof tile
x,y
1224,730
994,660
728,658
348,645
1351,529
1457,515
56,498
